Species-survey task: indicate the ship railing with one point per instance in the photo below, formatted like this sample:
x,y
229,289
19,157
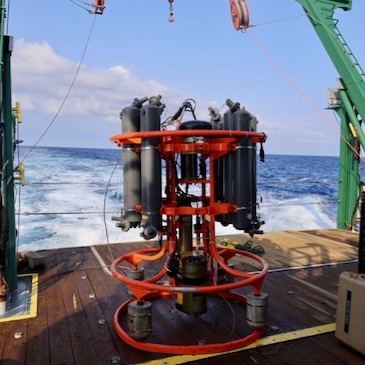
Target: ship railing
x,y
119,197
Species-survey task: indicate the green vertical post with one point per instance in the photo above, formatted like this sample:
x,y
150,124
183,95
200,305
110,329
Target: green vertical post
x,y
8,165
320,14
352,93
348,186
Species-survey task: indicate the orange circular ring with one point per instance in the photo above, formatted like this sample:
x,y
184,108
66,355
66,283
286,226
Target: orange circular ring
x,y
186,349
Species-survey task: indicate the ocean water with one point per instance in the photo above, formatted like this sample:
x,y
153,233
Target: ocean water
x,y
71,195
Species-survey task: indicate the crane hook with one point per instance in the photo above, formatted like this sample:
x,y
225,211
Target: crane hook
x,y
171,17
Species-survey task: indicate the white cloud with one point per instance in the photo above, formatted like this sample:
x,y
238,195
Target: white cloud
x,y
41,80
300,136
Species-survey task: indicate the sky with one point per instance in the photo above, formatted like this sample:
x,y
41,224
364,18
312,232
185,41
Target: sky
x,y
134,51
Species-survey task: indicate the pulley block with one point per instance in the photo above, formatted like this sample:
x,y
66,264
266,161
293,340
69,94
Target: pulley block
x,y
240,14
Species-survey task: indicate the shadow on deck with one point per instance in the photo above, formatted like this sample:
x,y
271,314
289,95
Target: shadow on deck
x,y
78,299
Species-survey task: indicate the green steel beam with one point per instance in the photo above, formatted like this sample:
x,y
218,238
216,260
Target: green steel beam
x,y
348,187
320,14
8,140
7,154
352,94
350,110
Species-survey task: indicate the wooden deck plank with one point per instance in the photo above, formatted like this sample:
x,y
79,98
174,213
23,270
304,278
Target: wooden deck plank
x,y
314,302
302,304
58,330
102,337
326,278
253,358
67,331
288,353
38,340
15,348
80,336
111,294
4,327
342,353
293,248
347,237
308,346
177,330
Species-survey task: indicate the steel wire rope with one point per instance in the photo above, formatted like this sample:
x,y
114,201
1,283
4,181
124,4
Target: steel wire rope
x,y
104,267
67,93
255,207
276,20
48,127
302,93
328,202
19,192
335,115
337,40
296,181
117,183
19,200
3,178
8,13
104,207
319,22
297,204
70,183
233,316
63,213
111,183
82,2
6,162
355,65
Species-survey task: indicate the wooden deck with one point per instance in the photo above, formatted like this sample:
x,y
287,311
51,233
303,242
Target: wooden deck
x,y
77,300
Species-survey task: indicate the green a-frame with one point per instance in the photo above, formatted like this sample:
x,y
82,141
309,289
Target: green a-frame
x,y
348,101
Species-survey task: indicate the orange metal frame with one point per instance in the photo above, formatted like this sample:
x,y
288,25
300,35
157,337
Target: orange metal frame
x,y
215,144
99,6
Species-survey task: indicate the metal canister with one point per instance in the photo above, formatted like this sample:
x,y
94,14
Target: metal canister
x,y
257,310
137,274
139,319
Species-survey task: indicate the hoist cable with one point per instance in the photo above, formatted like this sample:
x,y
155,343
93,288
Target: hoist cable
x,y
301,92
67,94
104,207
8,16
276,21
87,4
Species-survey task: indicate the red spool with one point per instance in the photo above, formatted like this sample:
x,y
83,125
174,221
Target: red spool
x,y
240,14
